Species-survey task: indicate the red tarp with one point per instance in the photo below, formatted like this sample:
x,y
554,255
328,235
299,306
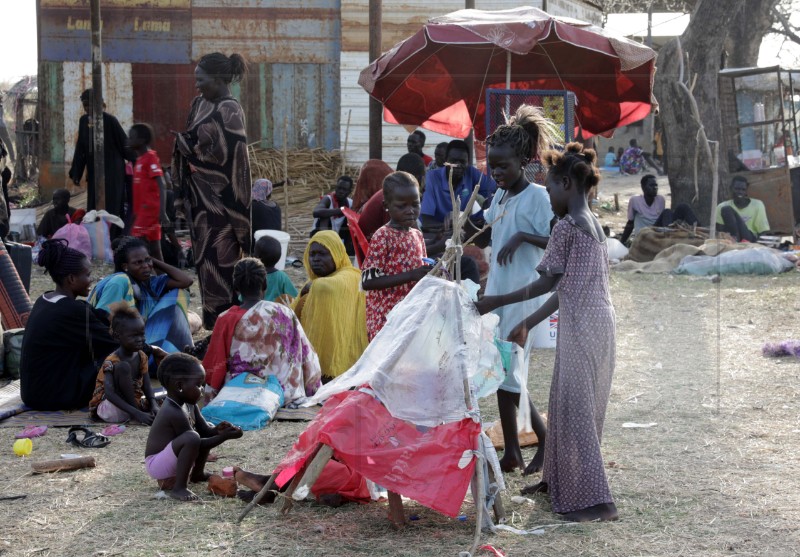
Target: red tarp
x,y
419,463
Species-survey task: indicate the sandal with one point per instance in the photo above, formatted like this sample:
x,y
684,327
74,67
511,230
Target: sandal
x,y
31,432
91,440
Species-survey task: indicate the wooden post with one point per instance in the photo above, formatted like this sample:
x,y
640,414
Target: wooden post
x,y
97,107
712,224
285,176
375,106
396,514
287,499
346,137
312,473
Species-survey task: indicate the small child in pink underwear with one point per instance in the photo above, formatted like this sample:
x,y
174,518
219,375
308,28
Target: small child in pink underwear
x,y
180,438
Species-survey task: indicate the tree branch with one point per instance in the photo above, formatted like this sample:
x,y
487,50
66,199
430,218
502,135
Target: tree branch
x,y
786,29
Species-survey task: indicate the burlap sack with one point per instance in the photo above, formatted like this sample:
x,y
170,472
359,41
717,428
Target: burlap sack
x,y
651,241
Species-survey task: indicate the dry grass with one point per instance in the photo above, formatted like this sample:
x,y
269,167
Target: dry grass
x,y
715,476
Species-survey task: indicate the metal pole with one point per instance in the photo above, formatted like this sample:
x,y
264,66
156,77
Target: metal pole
x,y
469,4
795,145
97,108
649,41
375,106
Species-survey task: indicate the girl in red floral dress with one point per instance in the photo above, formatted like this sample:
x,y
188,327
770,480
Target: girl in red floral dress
x,y
394,263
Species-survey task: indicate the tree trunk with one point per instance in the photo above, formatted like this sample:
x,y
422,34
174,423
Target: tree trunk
x,y
702,45
746,32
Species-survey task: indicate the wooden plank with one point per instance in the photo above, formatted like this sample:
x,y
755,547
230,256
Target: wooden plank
x,y
312,473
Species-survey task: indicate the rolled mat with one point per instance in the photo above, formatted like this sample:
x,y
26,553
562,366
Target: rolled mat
x,y
15,305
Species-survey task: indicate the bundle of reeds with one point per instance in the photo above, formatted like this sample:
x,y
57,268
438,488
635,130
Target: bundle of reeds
x,y
312,172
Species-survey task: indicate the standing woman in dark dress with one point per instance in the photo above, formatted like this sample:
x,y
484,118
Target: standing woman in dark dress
x,y
212,168
65,339
114,153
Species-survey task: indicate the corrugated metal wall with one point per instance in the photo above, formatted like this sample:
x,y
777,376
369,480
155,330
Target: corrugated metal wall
x,y
150,47
402,19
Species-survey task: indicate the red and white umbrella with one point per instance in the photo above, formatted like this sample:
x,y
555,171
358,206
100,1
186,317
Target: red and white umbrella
x,y
437,78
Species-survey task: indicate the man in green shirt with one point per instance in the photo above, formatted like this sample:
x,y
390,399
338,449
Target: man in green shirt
x,y
743,218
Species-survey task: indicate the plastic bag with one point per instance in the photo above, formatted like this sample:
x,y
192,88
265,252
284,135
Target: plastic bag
x,y
98,225
77,236
616,249
247,401
417,364
12,351
752,261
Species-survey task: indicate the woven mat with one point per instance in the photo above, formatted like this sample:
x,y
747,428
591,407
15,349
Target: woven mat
x,y
297,414
14,413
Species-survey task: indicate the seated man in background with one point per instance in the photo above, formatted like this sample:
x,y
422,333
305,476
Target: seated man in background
x,y
56,217
436,206
438,156
742,217
649,209
415,143
436,209
328,212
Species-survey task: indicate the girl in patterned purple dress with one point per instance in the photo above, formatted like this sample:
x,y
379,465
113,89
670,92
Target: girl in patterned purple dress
x,y
575,265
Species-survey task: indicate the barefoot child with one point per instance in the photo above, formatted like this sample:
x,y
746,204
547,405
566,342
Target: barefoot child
x,y
279,286
576,265
122,391
394,262
521,217
149,190
180,439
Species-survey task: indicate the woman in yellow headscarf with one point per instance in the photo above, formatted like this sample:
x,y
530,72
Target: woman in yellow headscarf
x,y
331,306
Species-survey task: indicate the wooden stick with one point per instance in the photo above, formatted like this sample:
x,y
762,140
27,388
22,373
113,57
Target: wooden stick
x,y
346,136
285,176
63,464
499,510
259,496
312,473
396,514
287,500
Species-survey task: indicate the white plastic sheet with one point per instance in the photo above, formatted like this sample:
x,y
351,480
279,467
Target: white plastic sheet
x,y
418,363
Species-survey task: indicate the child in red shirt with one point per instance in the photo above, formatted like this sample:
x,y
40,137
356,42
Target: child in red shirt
x,y
149,195
394,263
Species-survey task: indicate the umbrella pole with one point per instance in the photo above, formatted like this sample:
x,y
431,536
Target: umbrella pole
x,y
508,69
508,83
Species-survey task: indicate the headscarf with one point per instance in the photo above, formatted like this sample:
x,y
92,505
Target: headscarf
x,y
333,312
370,180
262,189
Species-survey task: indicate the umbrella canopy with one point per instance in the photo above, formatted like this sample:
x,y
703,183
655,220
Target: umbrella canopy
x,y
437,78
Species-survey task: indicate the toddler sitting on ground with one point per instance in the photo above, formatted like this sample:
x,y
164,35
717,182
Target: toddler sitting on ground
x,y
122,390
180,438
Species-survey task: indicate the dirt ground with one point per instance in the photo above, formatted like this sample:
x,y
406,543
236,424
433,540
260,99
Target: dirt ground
x,y
716,474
